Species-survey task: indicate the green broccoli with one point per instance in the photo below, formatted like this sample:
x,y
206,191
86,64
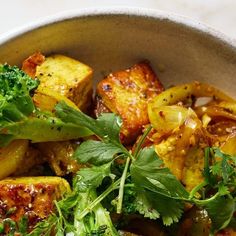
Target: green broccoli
x,y
20,119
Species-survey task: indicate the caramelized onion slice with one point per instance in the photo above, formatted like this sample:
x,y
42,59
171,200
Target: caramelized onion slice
x,y
167,118
214,112
230,106
183,92
229,146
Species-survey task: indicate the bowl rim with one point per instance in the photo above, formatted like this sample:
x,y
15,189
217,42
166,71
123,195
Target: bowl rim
x,y
116,11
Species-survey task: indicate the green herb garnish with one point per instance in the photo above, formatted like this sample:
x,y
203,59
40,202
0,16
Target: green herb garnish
x,y
154,190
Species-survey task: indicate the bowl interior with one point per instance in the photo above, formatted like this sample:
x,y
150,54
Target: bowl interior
x,y
178,52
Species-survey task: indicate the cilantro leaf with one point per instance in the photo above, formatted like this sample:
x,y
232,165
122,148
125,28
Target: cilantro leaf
x,y
220,211
107,126
66,204
154,205
157,187
44,227
88,178
23,225
170,209
216,168
219,172
208,168
223,190
96,152
226,169
144,207
110,125
148,173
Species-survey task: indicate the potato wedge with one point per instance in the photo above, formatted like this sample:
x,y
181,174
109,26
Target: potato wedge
x,y
32,164
12,156
31,197
127,93
59,156
68,77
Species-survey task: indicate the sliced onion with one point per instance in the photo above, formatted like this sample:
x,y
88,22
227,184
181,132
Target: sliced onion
x,y
203,101
214,112
231,106
181,93
229,146
167,118
205,120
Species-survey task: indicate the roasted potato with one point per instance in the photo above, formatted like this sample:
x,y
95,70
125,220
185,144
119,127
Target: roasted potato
x,y
59,156
12,156
127,93
32,164
31,197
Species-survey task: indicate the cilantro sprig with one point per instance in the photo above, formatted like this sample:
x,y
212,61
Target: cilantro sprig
x,y
156,193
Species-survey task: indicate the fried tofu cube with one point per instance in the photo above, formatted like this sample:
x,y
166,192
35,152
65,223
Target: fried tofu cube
x,y
30,64
30,197
127,93
67,77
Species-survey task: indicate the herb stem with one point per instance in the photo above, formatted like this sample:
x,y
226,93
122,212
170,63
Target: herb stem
x,y
121,189
206,201
98,199
142,139
196,189
129,185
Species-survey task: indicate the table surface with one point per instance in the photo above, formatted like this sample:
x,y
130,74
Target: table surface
x,y
218,14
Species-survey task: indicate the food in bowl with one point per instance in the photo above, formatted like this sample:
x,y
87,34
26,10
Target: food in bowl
x,y
140,159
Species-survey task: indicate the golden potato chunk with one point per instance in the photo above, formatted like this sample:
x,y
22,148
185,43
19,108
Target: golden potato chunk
x,y
59,156
68,77
127,93
12,156
32,164
183,152
30,197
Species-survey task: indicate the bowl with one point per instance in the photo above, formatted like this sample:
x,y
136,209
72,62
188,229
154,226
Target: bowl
x,y
179,49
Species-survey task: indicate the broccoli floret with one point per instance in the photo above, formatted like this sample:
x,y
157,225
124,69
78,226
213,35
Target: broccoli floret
x,y
97,222
20,119
15,88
